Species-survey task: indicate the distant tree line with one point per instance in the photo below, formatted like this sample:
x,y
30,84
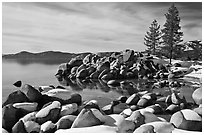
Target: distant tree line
x,y
167,41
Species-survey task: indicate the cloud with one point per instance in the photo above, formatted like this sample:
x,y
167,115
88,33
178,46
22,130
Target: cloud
x,y
78,27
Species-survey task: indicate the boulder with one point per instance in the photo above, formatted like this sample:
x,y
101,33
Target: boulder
x,y
126,126
197,96
29,117
108,76
90,70
32,94
68,109
87,60
94,75
19,127
126,113
74,70
82,74
133,99
86,118
75,62
48,127
103,65
49,113
18,84
113,120
32,127
145,129
29,107
65,122
105,71
15,97
173,108
155,109
187,119
113,83
122,99
10,115
198,110
127,55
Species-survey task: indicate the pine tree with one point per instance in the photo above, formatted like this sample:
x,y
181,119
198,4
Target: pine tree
x,y
171,34
152,37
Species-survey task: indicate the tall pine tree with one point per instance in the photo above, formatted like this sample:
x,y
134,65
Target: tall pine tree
x,y
171,34
152,38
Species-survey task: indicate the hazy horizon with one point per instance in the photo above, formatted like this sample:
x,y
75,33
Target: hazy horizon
x,y
77,27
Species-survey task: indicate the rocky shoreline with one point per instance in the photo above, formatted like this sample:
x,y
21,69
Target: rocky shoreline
x,y
51,109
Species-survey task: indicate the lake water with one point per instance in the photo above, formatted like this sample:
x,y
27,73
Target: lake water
x,y
43,73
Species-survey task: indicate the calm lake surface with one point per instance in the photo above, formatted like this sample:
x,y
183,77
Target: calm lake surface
x,y
42,73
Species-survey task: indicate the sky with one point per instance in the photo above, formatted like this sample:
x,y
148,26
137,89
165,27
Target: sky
x,y
89,27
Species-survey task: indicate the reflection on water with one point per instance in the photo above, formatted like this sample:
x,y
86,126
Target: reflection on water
x,y
128,87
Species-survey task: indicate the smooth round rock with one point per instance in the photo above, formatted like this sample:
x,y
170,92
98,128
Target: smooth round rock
x,y
126,112
86,118
108,109
29,117
82,74
33,94
59,93
19,127
32,127
155,109
198,110
197,96
137,118
50,112
113,120
16,97
187,120
133,99
48,127
30,107
68,109
65,122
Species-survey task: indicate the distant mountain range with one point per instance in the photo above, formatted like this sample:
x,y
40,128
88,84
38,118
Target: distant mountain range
x,y
48,55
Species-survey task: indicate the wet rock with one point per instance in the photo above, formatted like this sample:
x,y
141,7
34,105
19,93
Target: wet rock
x,y
48,127
134,107
86,118
65,122
113,83
29,107
87,59
32,94
19,127
108,76
32,127
133,99
29,117
18,84
15,97
50,112
10,116
105,71
126,113
82,74
122,99
197,96
126,126
74,70
187,120
68,109
59,93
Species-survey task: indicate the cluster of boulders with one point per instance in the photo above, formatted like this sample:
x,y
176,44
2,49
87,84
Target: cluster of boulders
x,y
126,64
56,110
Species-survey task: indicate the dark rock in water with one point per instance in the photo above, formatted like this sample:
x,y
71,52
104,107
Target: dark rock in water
x,y
82,74
108,76
103,65
74,70
126,126
122,99
15,97
33,94
113,83
86,118
173,108
65,122
94,75
105,71
133,99
18,84
145,129
19,127
10,116
60,87
177,65
197,96
187,120
75,98
75,62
